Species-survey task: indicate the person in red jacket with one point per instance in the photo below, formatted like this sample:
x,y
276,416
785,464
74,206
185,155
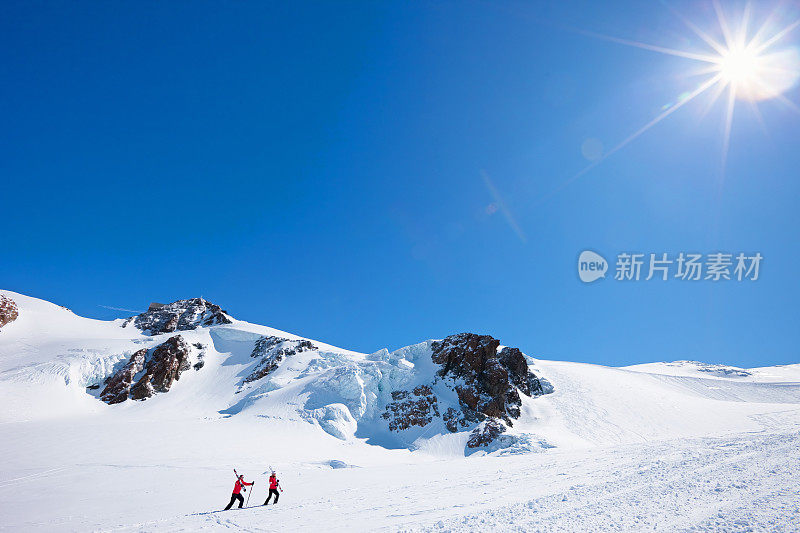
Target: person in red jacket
x,y
274,485
237,489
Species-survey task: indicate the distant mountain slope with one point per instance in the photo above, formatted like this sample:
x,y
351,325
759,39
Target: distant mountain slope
x,y
767,374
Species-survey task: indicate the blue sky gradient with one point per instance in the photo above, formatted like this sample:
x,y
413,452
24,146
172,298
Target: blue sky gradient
x,y
328,169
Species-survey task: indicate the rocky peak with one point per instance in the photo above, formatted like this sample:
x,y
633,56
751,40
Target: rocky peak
x,y
8,310
179,316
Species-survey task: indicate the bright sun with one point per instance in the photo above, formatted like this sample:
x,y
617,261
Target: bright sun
x,y
739,66
744,64
752,74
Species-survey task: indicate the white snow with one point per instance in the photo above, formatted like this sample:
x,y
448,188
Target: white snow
x,y
767,374
663,446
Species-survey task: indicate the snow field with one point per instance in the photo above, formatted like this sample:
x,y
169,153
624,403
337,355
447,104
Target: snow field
x,y
665,446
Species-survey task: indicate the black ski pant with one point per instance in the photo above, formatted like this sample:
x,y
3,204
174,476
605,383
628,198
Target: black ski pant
x,y
235,497
271,492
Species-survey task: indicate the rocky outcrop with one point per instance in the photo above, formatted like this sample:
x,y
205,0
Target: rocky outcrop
x,y
201,353
179,316
118,386
453,420
271,351
152,371
164,367
488,383
417,408
8,310
485,434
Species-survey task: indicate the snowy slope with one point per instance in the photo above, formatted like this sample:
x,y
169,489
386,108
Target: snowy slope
x,y
608,448
768,374
230,368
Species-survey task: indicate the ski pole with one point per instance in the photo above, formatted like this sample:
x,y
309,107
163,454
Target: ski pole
x,y
249,493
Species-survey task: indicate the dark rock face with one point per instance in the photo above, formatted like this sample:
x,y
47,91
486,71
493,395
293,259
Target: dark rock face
x,y
272,350
453,419
8,310
525,381
165,366
153,372
118,386
464,354
411,409
489,382
179,316
486,433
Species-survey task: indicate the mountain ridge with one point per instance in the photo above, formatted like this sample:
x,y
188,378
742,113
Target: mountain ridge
x,y
465,384
417,397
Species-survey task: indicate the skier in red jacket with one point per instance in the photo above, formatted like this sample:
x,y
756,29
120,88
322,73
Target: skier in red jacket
x,y
237,489
274,485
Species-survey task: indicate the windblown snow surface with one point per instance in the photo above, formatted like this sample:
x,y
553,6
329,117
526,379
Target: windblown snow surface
x,y
667,447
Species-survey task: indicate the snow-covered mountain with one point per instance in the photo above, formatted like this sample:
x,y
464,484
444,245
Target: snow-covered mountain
x,y
467,388
184,391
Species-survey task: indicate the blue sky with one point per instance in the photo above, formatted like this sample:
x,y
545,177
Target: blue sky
x,y
328,169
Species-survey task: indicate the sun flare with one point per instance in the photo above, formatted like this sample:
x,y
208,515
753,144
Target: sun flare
x,y
751,74
745,64
739,65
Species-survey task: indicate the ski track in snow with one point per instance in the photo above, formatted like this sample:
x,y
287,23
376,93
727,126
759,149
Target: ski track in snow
x,y
30,478
740,483
721,485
